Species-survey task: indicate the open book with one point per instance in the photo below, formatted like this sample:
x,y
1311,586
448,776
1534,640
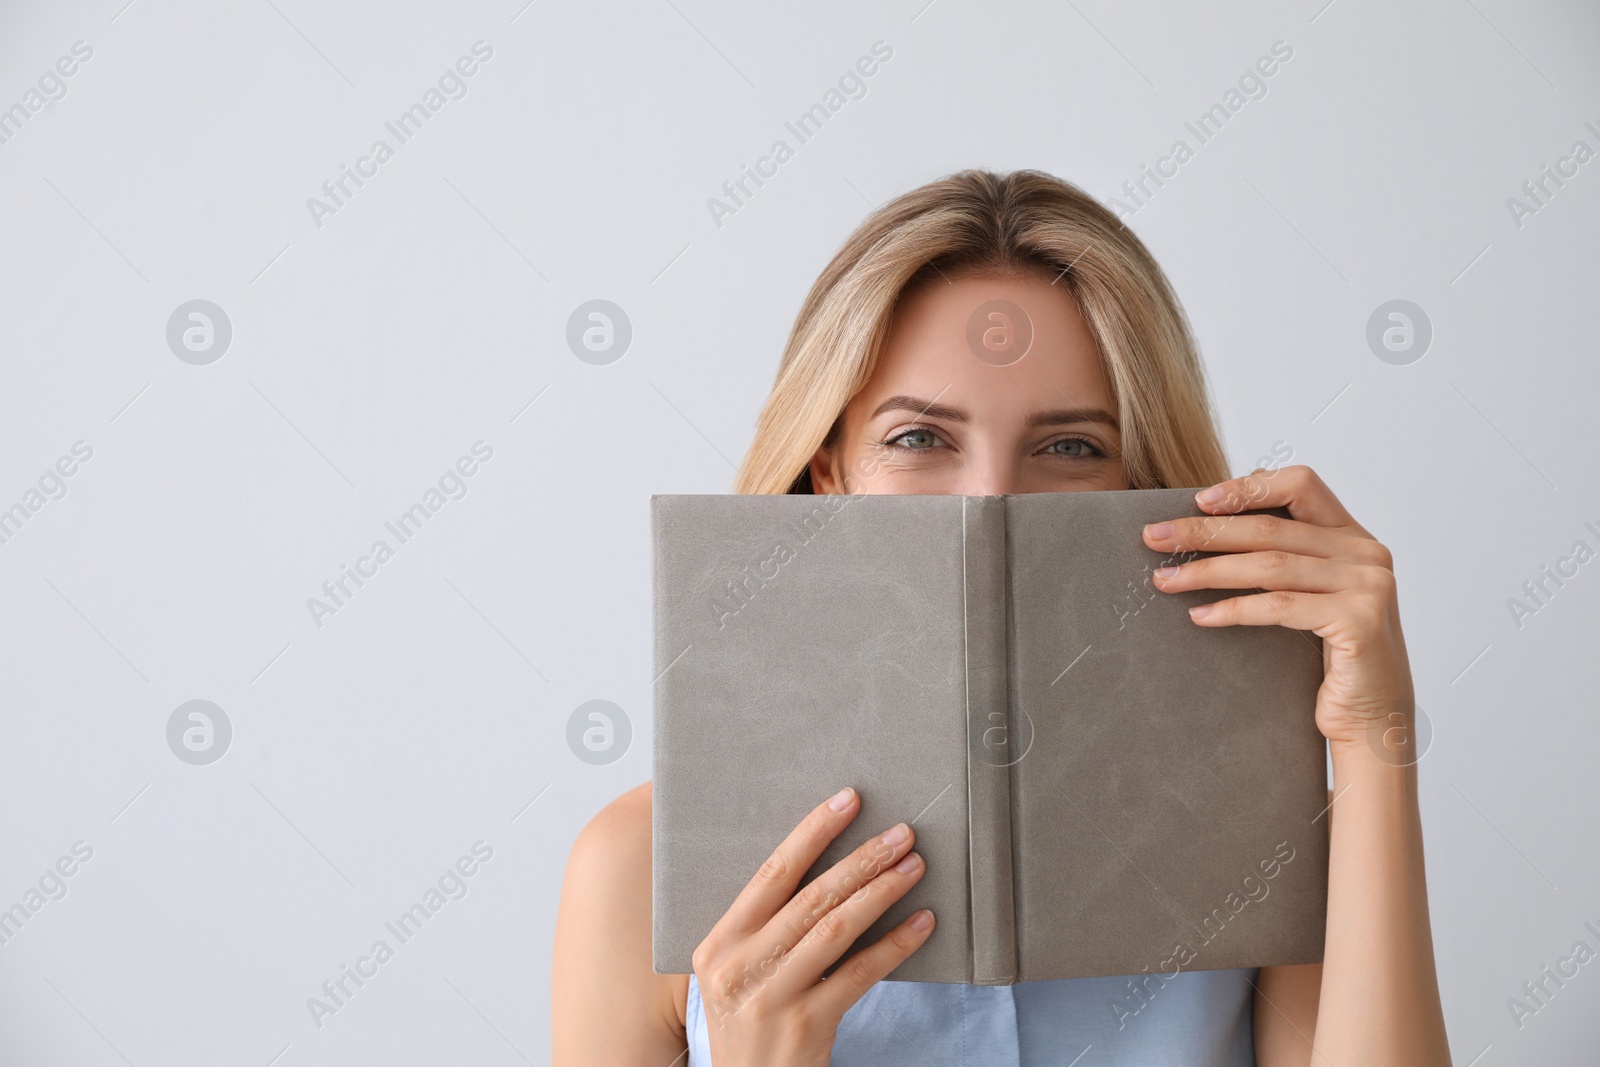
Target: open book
x,y
1099,785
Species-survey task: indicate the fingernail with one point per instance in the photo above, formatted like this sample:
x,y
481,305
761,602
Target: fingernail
x,y
1166,572
1159,531
841,799
1209,496
909,864
922,920
1199,611
897,834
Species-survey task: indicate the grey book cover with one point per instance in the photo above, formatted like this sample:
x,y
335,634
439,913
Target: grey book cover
x,y
1099,786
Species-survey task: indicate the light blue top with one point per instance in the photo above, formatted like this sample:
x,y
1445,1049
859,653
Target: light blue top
x,y
1194,1019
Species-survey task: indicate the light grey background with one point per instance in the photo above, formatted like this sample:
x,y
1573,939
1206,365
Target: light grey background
x,y
369,353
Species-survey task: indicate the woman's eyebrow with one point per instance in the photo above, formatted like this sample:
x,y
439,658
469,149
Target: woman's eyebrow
x,y
1057,417
921,407
1063,416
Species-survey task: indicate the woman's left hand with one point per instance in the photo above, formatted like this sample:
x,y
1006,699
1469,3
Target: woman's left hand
x,y
1320,571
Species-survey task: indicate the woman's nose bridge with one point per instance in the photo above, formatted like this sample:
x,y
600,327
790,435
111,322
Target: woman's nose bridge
x,y
992,472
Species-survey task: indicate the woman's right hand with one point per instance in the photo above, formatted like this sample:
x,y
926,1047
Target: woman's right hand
x,y
760,969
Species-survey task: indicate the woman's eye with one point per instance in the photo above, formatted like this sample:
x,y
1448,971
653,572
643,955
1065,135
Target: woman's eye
x,y
1073,448
919,440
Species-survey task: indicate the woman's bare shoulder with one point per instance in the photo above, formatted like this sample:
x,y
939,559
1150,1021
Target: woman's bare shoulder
x,y
610,859
626,820
602,947
612,852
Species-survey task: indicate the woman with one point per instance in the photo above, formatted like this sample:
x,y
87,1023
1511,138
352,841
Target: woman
x,y
991,334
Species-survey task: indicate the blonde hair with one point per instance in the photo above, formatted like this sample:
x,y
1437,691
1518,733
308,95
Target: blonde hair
x,y
976,221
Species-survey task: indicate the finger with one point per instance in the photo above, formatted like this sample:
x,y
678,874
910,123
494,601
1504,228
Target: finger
x,y
1298,488
839,992
1330,616
1323,613
835,930
1271,570
837,884
1260,533
774,882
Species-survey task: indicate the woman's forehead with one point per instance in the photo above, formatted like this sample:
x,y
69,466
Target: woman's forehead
x,y
988,343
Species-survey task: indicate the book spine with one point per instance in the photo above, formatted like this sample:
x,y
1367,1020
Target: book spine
x,y
989,747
